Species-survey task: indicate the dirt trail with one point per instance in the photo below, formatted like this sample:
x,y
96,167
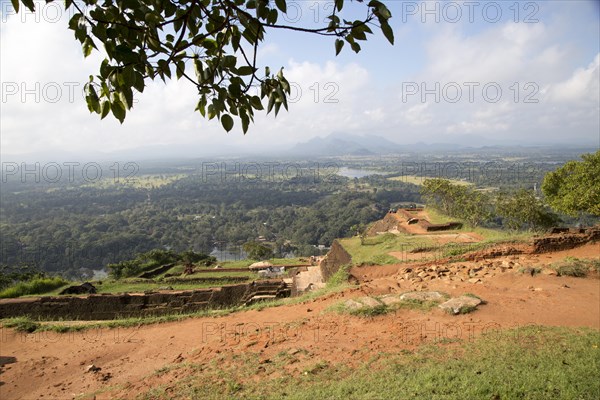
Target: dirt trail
x,y
52,366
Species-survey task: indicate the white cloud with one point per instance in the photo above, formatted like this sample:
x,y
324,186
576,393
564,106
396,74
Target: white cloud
x,y
327,96
417,115
582,86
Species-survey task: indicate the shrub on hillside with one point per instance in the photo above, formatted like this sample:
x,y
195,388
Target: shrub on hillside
x,y
39,285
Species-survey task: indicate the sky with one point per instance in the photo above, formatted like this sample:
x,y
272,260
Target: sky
x,y
503,72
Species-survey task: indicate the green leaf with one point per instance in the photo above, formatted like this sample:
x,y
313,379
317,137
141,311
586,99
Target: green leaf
x,y
211,112
256,103
202,106
245,70
87,46
384,12
199,69
139,82
126,97
245,124
15,4
281,4
229,61
272,17
388,32
180,69
91,98
339,4
271,102
105,109
235,90
117,108
339,44
29,4
277,107
227,122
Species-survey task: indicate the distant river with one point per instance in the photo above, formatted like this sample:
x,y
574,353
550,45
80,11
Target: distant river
x,y
356,173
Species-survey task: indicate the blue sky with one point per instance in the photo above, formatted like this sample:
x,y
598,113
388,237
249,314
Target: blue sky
x,y
547,71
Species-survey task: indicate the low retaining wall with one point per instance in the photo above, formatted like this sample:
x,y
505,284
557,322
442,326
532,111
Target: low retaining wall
x,y
565,241
111,306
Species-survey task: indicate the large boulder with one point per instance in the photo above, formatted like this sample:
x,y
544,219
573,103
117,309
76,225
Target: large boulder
x,y
461,305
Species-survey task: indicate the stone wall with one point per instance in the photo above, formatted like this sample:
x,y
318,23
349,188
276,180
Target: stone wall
x,y
111,306
565,241
335,258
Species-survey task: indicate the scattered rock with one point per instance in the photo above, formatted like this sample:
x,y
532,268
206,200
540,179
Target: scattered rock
x,y
106,377
422,296
460,305
178,359
390,299
369,301
474,280
92,368
353,304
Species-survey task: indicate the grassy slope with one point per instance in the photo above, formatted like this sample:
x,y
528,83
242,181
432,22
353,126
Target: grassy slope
x,y
529,363
374,250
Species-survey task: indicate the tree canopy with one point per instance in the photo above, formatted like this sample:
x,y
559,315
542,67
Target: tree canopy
x,y
213,44
575,187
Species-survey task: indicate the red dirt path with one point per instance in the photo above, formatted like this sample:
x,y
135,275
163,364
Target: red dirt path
x,y
51,365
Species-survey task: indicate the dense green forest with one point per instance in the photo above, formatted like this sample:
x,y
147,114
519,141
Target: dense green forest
x,y
78,224
75,227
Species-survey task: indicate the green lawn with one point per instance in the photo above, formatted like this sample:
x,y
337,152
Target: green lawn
x,y
374,250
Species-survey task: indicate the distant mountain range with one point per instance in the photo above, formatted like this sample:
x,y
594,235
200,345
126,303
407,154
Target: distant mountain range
x,y
333,145
345,144
340,144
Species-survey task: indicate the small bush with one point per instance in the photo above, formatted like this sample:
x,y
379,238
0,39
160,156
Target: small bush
x,y
575,267
340,277
530,270
34,286
21,324
370,311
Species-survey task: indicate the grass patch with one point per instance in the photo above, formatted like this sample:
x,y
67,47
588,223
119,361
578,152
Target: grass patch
x,y
524,363
340,278
571,266
135,285
21,324
34,286
343,307
374,250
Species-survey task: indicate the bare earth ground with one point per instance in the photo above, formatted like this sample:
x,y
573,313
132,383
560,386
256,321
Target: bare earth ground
x,y
52,366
